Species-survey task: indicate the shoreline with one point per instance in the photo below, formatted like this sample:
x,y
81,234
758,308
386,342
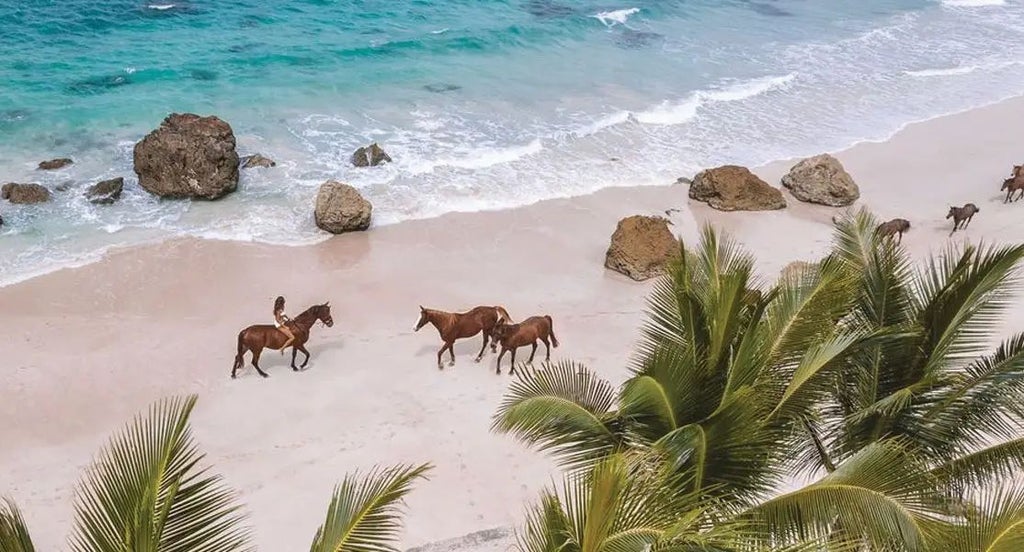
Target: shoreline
x,y
88,347
85,259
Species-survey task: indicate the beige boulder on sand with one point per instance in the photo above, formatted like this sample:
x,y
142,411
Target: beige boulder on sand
x,y
340,208
641,247
735,188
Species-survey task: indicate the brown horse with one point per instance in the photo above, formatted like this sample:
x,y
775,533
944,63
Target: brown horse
x,y
893,227
962,216
257,337
1013,184
527,332
460,325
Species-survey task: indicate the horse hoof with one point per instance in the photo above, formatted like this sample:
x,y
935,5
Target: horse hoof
x,y
477,360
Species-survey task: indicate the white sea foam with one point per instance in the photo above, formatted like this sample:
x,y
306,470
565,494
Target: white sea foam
x,y
973,3
959,70
617,17
440,31
161,7
479,158
669,113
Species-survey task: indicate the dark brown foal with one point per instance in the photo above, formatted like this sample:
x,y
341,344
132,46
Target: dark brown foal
x,y
527,332
460,325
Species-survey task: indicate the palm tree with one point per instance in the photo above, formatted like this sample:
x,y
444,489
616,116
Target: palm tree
x,y
853,367
148,490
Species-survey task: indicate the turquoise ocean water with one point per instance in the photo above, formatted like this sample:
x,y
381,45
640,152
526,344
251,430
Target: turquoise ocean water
x,y
483,104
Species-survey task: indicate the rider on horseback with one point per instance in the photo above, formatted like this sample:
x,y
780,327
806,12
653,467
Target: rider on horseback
x,y
281,321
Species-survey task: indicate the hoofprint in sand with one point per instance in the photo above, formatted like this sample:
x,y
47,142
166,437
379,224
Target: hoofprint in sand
x,y
86,348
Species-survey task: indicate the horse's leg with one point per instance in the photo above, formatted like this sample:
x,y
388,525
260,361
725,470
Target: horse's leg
x,y
239,360
295,351
532,352
898,241
256,363
305,352
482,348
512,371
451,352
547,343
440,365
498,364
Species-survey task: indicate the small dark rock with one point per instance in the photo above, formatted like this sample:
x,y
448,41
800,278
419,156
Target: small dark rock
x,y
105,192
52,164
24,193
370,156
65,186
257,160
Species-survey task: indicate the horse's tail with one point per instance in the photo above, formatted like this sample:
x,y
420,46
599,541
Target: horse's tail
x,y
241,349
551,330
503,314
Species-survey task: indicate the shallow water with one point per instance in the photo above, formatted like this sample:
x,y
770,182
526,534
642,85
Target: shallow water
x,y
482,104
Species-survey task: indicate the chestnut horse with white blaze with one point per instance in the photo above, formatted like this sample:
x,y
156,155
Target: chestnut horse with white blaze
x,y
460,325
257,337
527,332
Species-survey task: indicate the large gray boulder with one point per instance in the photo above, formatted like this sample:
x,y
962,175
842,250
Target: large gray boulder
x,y
641,247
340,208
735,188
823,180
105,192
188,157
25,193
370,156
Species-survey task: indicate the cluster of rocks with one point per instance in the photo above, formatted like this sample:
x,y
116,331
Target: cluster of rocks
x,y
642,247
195,157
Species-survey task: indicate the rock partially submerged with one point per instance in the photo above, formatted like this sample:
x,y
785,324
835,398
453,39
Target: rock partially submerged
x,y
257,161
641,247
188,157
53,164
370,156
24,193
105,192
823,180
735,188
340,208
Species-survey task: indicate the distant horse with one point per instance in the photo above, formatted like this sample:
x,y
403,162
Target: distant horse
x,y
257,337
460,325
892,227
1013,184
527,332
962,216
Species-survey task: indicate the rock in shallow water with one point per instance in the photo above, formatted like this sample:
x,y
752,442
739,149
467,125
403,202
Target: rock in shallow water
x,y
641,247
340,208
24,193
370,156
257,160
105,192
53,164
188,157
821,179
735,188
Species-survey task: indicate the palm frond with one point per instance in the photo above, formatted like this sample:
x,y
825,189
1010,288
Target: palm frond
x,y
14,536
994,524
992,466
881,494
147,491
565,410
364,514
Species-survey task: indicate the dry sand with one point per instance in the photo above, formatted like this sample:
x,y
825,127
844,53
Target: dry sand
x,y
86,348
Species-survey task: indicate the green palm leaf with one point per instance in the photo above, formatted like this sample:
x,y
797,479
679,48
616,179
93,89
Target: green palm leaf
x,y
564,409
147,491
996,524
364,512
881,495
14,535
989,467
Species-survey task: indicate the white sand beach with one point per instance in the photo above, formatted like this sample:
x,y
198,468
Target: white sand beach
x,y
86,348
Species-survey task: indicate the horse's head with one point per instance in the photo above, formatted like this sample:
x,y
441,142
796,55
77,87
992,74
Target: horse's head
x,y
323,314
422,321
500,330
952,211
904,224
